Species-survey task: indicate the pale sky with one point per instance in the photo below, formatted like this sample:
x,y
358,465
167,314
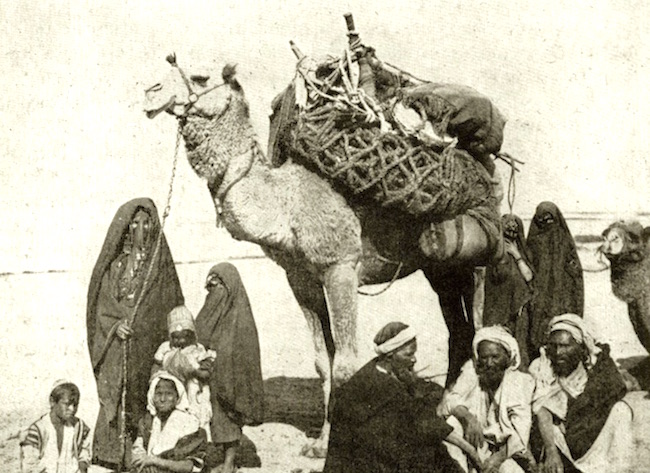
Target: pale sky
x,y
570,77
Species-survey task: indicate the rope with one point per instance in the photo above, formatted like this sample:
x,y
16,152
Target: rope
x,y
254,150
512,162
603,265
126,347
381,291
511,187
387,166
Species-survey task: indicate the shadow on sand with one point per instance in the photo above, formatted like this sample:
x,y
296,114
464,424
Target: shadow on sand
x,y
295,401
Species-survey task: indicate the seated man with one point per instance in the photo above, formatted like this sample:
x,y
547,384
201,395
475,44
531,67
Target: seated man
x,y
491,402
384,419
582,425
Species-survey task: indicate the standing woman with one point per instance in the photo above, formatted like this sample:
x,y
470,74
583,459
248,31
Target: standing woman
x,y
509,286
559,287
115,286
226,324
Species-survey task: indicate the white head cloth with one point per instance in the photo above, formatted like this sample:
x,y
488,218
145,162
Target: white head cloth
x,y
60,382
182,403
499,335
399,340
575,325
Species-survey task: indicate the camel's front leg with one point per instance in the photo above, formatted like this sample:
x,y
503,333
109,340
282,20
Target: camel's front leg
x,y
311,298
340,283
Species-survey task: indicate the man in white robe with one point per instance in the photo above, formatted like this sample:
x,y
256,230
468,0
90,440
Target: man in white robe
x,y
491,402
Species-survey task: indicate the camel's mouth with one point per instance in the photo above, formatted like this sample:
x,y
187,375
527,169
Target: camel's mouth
x,y
154,112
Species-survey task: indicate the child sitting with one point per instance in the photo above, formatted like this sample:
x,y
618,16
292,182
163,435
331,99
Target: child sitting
x,y
169,437
58,442
189,361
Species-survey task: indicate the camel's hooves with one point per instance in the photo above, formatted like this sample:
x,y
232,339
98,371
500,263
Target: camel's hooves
x,y
313,450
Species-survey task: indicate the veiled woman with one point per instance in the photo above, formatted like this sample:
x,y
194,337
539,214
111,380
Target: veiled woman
x,y
509,286
559,286
226,324
115,287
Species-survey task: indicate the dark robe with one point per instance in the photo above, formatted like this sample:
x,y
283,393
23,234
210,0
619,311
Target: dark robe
x,y
379,426
507,294
559,286
226,324
105,309
587,414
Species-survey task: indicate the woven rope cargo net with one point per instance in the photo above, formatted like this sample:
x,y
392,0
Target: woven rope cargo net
x,y
352,138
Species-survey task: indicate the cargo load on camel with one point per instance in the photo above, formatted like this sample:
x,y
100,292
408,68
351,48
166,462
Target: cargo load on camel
x,y
380,134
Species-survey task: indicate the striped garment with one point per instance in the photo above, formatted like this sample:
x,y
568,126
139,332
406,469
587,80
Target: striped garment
x,y
44,451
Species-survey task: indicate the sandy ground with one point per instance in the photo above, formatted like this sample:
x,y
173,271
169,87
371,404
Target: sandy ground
x,y
46,341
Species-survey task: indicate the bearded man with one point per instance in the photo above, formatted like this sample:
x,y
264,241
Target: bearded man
x,y
582,425
116,284
384,418
490,403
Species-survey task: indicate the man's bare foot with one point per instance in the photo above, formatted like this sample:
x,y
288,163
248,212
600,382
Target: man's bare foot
x,y
224,468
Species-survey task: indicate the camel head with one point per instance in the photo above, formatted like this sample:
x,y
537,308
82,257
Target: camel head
x,y
625,242
189,94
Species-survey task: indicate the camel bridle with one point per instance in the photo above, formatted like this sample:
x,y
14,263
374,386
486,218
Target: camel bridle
x,y
192,96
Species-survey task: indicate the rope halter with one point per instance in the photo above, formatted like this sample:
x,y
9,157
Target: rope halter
x,y
192,96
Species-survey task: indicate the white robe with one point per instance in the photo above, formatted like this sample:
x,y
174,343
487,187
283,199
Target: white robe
x,y
506,420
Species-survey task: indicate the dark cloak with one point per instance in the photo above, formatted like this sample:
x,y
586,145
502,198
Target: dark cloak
x,y
379,426
193,447
226,324
104,311
559,286
587,413
507,294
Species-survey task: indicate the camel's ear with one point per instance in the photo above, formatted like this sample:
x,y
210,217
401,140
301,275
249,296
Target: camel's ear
x,y
228,75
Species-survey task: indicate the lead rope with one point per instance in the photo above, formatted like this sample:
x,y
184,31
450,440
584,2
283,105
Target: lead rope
x,y
126,347
385,288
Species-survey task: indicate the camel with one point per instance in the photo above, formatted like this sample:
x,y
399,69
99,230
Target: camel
x,y
327,246
627,247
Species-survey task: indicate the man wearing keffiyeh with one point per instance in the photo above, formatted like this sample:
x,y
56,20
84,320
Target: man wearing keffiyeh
x,y
490,402
384,418
576,402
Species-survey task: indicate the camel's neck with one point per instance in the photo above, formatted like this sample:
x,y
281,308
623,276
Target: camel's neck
x,y
628,278
217,148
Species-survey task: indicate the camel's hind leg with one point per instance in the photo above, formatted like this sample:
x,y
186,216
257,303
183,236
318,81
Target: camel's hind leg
x,y
455,291
311,298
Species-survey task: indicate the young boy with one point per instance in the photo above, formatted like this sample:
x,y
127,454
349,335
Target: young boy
x,y
58,442
189,361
